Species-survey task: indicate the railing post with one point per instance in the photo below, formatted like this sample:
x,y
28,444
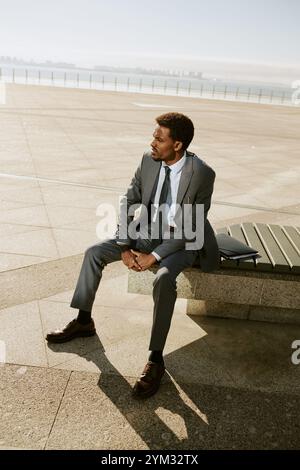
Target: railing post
x,y
237,93
190,86
165,87
128,83
52,78
225,92
177,87
65,78
102,82
283,97
259,95
201,89
39,77
90,80
26,75
13,76
271,96
140,85
153,85
249,93
116,82
77,79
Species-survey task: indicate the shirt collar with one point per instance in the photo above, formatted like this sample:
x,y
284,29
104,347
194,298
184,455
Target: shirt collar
x,y
177,167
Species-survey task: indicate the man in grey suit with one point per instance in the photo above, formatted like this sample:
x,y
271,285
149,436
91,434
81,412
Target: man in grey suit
x,y
176,180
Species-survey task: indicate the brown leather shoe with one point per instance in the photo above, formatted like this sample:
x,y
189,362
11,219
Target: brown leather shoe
x,y
71,331
149,381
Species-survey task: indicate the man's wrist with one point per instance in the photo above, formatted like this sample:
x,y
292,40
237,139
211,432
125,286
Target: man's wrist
x,y
124,248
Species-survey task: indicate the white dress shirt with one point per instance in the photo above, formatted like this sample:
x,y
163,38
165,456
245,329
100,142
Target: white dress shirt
x,y
175,174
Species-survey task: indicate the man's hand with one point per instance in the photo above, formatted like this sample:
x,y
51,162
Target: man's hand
x,y
144,260
129,259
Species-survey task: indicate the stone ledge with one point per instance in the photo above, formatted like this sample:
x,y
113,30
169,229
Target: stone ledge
x,y
221,293
42,280
211,308
38,281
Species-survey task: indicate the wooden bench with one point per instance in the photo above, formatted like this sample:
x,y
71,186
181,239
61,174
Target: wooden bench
x,y
266,289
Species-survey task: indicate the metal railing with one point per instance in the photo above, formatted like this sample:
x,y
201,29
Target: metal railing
x,y
163,86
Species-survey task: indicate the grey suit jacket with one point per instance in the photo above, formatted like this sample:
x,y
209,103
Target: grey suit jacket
x,y
195,187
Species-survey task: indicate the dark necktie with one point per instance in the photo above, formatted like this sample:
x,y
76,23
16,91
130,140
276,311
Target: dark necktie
x,y
165,195
164,198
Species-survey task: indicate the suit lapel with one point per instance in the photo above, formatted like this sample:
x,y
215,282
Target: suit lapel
x,y
150,182
186,175
185,179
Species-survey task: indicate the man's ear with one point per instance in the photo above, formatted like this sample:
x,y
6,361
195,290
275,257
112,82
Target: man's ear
x,y
177,146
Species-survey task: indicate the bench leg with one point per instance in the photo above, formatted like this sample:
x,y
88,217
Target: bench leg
x,y
212,308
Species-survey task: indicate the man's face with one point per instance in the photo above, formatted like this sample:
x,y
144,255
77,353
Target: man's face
x,y
163,146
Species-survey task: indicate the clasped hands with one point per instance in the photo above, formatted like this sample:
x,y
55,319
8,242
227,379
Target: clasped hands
x,y
137,261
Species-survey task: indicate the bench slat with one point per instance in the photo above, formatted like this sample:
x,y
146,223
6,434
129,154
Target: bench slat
x,y
294,237
278,246
287,248
275,254
237,232
264,263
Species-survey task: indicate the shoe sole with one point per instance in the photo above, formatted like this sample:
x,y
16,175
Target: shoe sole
x,y
77,335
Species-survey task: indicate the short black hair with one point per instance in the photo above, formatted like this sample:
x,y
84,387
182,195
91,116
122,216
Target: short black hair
x,y
181,127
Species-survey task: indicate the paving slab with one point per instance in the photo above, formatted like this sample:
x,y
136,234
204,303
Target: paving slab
x,y
256,355
22,335
30,397
229,384
97,412
71,136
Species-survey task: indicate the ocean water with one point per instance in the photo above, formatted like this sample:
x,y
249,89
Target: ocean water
x,y
144,83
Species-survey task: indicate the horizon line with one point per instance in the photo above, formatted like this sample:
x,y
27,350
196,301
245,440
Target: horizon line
x,y
185,59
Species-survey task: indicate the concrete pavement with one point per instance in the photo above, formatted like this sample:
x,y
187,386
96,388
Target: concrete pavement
x,y
230,384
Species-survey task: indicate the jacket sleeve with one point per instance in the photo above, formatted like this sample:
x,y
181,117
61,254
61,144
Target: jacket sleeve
x,y
203,196
133,196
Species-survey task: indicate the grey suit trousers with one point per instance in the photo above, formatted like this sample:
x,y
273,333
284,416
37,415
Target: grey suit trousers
x,y
164,285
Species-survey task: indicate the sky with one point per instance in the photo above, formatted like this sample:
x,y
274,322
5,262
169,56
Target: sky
x,y
141,32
